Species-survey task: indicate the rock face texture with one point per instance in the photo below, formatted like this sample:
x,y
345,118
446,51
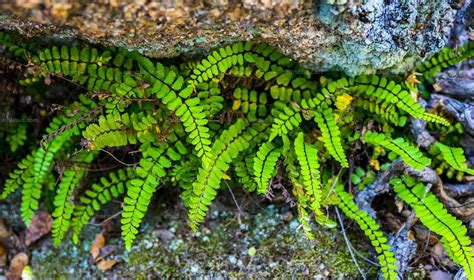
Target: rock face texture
x,y
354,36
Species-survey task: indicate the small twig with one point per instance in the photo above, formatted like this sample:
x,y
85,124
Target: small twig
x,y
235,200
126,164
348,244
108,219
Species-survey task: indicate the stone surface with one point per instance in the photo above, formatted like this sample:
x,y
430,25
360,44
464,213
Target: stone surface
x,y
355,36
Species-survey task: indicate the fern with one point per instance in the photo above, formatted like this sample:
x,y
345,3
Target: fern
x,y
169,87
454,157
17,135
264,165
331,135
409,153
63,200
193,122
445,58
372,230
112,186
231,142
434,216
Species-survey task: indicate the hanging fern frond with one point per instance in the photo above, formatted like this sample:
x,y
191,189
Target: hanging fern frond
x,y
264,165
169,87
285,119
435,217
331,135
386,92
454,157
111,186
16,177
410,154
116,129
230,144
447,57
17,135
307,156
372,230
149,172
63,199
252,104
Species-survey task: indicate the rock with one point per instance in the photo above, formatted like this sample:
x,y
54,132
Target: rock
x,y
355,38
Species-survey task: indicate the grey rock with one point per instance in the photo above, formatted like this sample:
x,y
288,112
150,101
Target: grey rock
x,y
351,36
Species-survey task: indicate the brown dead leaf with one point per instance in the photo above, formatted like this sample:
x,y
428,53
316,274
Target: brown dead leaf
x,y
412,79
99,242
40,226
105,265
3,256
16,266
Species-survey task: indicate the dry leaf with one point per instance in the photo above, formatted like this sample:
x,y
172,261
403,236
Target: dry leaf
x,y
3,256
16,266
40,226
99,242
105,265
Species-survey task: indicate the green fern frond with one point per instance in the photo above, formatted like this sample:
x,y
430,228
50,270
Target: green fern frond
x,y
16,177
454,157
285,120
252,104
244,170
17,135
169,87
115,129
386,91
410,154
435,217
111,186
63,199
307,156
331,135
264,165
372,230
230,144
447,57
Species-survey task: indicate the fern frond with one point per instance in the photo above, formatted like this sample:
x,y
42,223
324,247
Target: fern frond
x,y
454,157
169,87
447,57
16,177
141,189
285,120
435,217
372,230
410,154
111,186
264,165
63,199
244,170
307,156
17,135
252,104
331,135
302,204
230,144
387,91
115,129
43,159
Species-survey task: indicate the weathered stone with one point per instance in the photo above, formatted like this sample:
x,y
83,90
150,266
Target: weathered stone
x,y
351,36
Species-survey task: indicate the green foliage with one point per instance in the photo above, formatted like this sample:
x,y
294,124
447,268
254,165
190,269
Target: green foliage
x,y
409,153
454,157
264,165
241,112
435,217
445,58
17,135
372,230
